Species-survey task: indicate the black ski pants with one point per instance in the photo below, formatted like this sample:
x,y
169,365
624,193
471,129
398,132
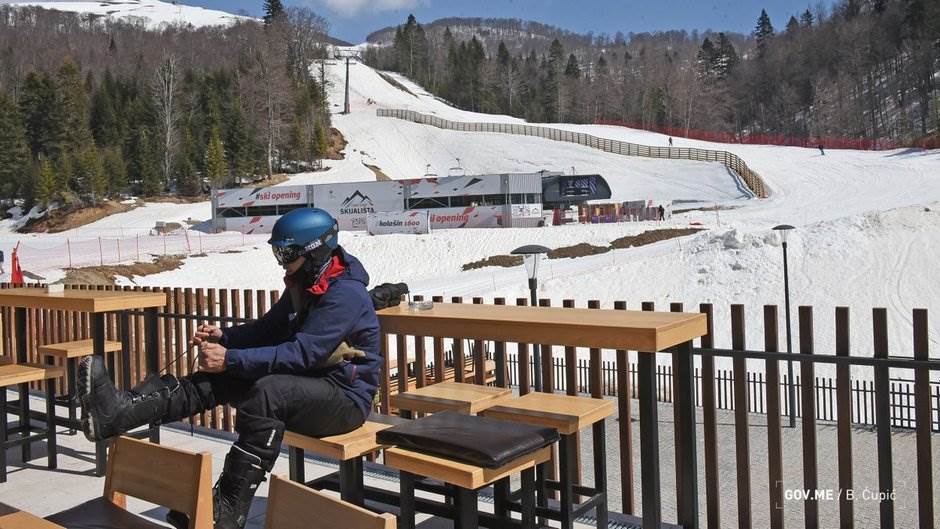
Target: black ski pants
x,y
265,407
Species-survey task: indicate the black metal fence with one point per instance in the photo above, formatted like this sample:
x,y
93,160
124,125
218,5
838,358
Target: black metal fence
x,y
863,392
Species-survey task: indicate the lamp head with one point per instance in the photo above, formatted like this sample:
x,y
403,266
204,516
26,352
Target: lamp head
x,y
784,231
531,254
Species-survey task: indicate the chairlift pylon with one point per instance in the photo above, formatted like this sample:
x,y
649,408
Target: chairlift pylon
x,y
458,170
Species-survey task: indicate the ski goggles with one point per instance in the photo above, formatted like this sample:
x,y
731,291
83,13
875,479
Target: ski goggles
x,y
287,254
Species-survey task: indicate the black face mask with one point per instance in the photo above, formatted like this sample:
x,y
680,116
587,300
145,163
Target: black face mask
x,y
308,274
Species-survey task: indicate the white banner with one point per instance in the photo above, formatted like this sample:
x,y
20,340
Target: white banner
x,y
249,225
385,222
526,211
261,196
471,217
351,203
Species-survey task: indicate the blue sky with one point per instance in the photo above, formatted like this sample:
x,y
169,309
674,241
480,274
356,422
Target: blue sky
x,y
352,20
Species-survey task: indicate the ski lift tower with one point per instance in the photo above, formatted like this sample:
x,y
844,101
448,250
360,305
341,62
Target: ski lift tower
x,y
348,53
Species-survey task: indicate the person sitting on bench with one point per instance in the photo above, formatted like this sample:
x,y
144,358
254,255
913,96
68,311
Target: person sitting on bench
x,y
287,369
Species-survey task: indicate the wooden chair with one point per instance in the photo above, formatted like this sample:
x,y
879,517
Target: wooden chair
x,y
168,477
294,506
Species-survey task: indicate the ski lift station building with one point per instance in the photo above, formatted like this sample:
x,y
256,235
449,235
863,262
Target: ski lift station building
x,y
465,201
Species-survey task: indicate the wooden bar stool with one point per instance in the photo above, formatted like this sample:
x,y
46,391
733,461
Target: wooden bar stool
x,y
71,352
14,375
467,480
460,397
568,415
348,448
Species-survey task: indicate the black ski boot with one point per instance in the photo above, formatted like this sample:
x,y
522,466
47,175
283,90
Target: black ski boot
x,y
107,412
232,494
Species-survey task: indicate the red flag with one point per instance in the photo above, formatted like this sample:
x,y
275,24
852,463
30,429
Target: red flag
x,y
16,274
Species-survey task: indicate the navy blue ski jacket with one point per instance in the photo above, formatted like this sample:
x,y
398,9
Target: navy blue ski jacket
x,y
276,344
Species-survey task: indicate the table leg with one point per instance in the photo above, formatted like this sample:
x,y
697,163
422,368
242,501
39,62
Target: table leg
x,y
467,515
97,338
528,498
566,458
686,465
3,435
152,357
350,481
600,472
406,517
649,442
295,464
541,491
19,322
51,449
72,365
125,324
500,497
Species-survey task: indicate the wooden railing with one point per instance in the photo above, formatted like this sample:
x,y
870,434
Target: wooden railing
x,y
720,462
730,160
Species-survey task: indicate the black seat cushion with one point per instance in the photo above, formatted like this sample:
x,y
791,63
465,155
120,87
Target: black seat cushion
x,y
6,509
479,441
100,513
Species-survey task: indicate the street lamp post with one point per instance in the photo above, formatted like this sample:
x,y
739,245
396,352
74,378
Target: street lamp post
x,y
784,230
531,254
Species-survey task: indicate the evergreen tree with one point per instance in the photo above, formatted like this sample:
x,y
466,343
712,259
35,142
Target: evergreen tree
x,y
726,58
37,102
89,173
70,114
143,164
792,26
115,170
806,19
216,168
45,191
320,142
572,70
763,33
553,86
273,9
14,151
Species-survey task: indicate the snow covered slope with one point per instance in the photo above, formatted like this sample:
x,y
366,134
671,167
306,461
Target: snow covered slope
x,y
868,223
154,13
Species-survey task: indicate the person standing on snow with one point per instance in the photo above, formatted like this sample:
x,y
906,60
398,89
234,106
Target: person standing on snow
x,y
280,371
822,149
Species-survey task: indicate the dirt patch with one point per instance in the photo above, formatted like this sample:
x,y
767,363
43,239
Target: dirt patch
x,y
578,250
379,175
709,208
584,249
336,147
60,220
649,237
505,261
176,199
396,84
106,275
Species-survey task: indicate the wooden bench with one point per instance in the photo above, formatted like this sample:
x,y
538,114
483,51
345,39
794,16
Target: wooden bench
x,y
294,506
20,375
71,352
449,396
348,448
568,415
467,480
449,374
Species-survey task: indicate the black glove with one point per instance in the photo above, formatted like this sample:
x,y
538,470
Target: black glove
x,y
387,295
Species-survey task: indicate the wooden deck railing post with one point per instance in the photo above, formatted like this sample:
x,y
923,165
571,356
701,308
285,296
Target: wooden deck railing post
x,y
774,439
421,361
479,360
742,442
844,419
459,359
685,424
625,416
883,419
808,397
523,359
499,355
547,359
709,426
438,344
924,418
649,438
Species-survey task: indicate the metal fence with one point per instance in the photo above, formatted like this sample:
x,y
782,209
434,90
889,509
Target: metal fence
x,y
729,160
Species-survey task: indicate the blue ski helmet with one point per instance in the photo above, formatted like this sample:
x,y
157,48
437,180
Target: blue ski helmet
x,y
304,231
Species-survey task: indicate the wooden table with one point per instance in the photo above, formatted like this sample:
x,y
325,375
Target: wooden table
x,y
646,332
13,518
450,395
98,303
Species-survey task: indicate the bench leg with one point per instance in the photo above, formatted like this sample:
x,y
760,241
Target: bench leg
x,y
3,435
566,458
295,464
467,515
528,498
72,367
500,499
101,458
600,472
25,421
351,487
541,491
51,448
406,517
